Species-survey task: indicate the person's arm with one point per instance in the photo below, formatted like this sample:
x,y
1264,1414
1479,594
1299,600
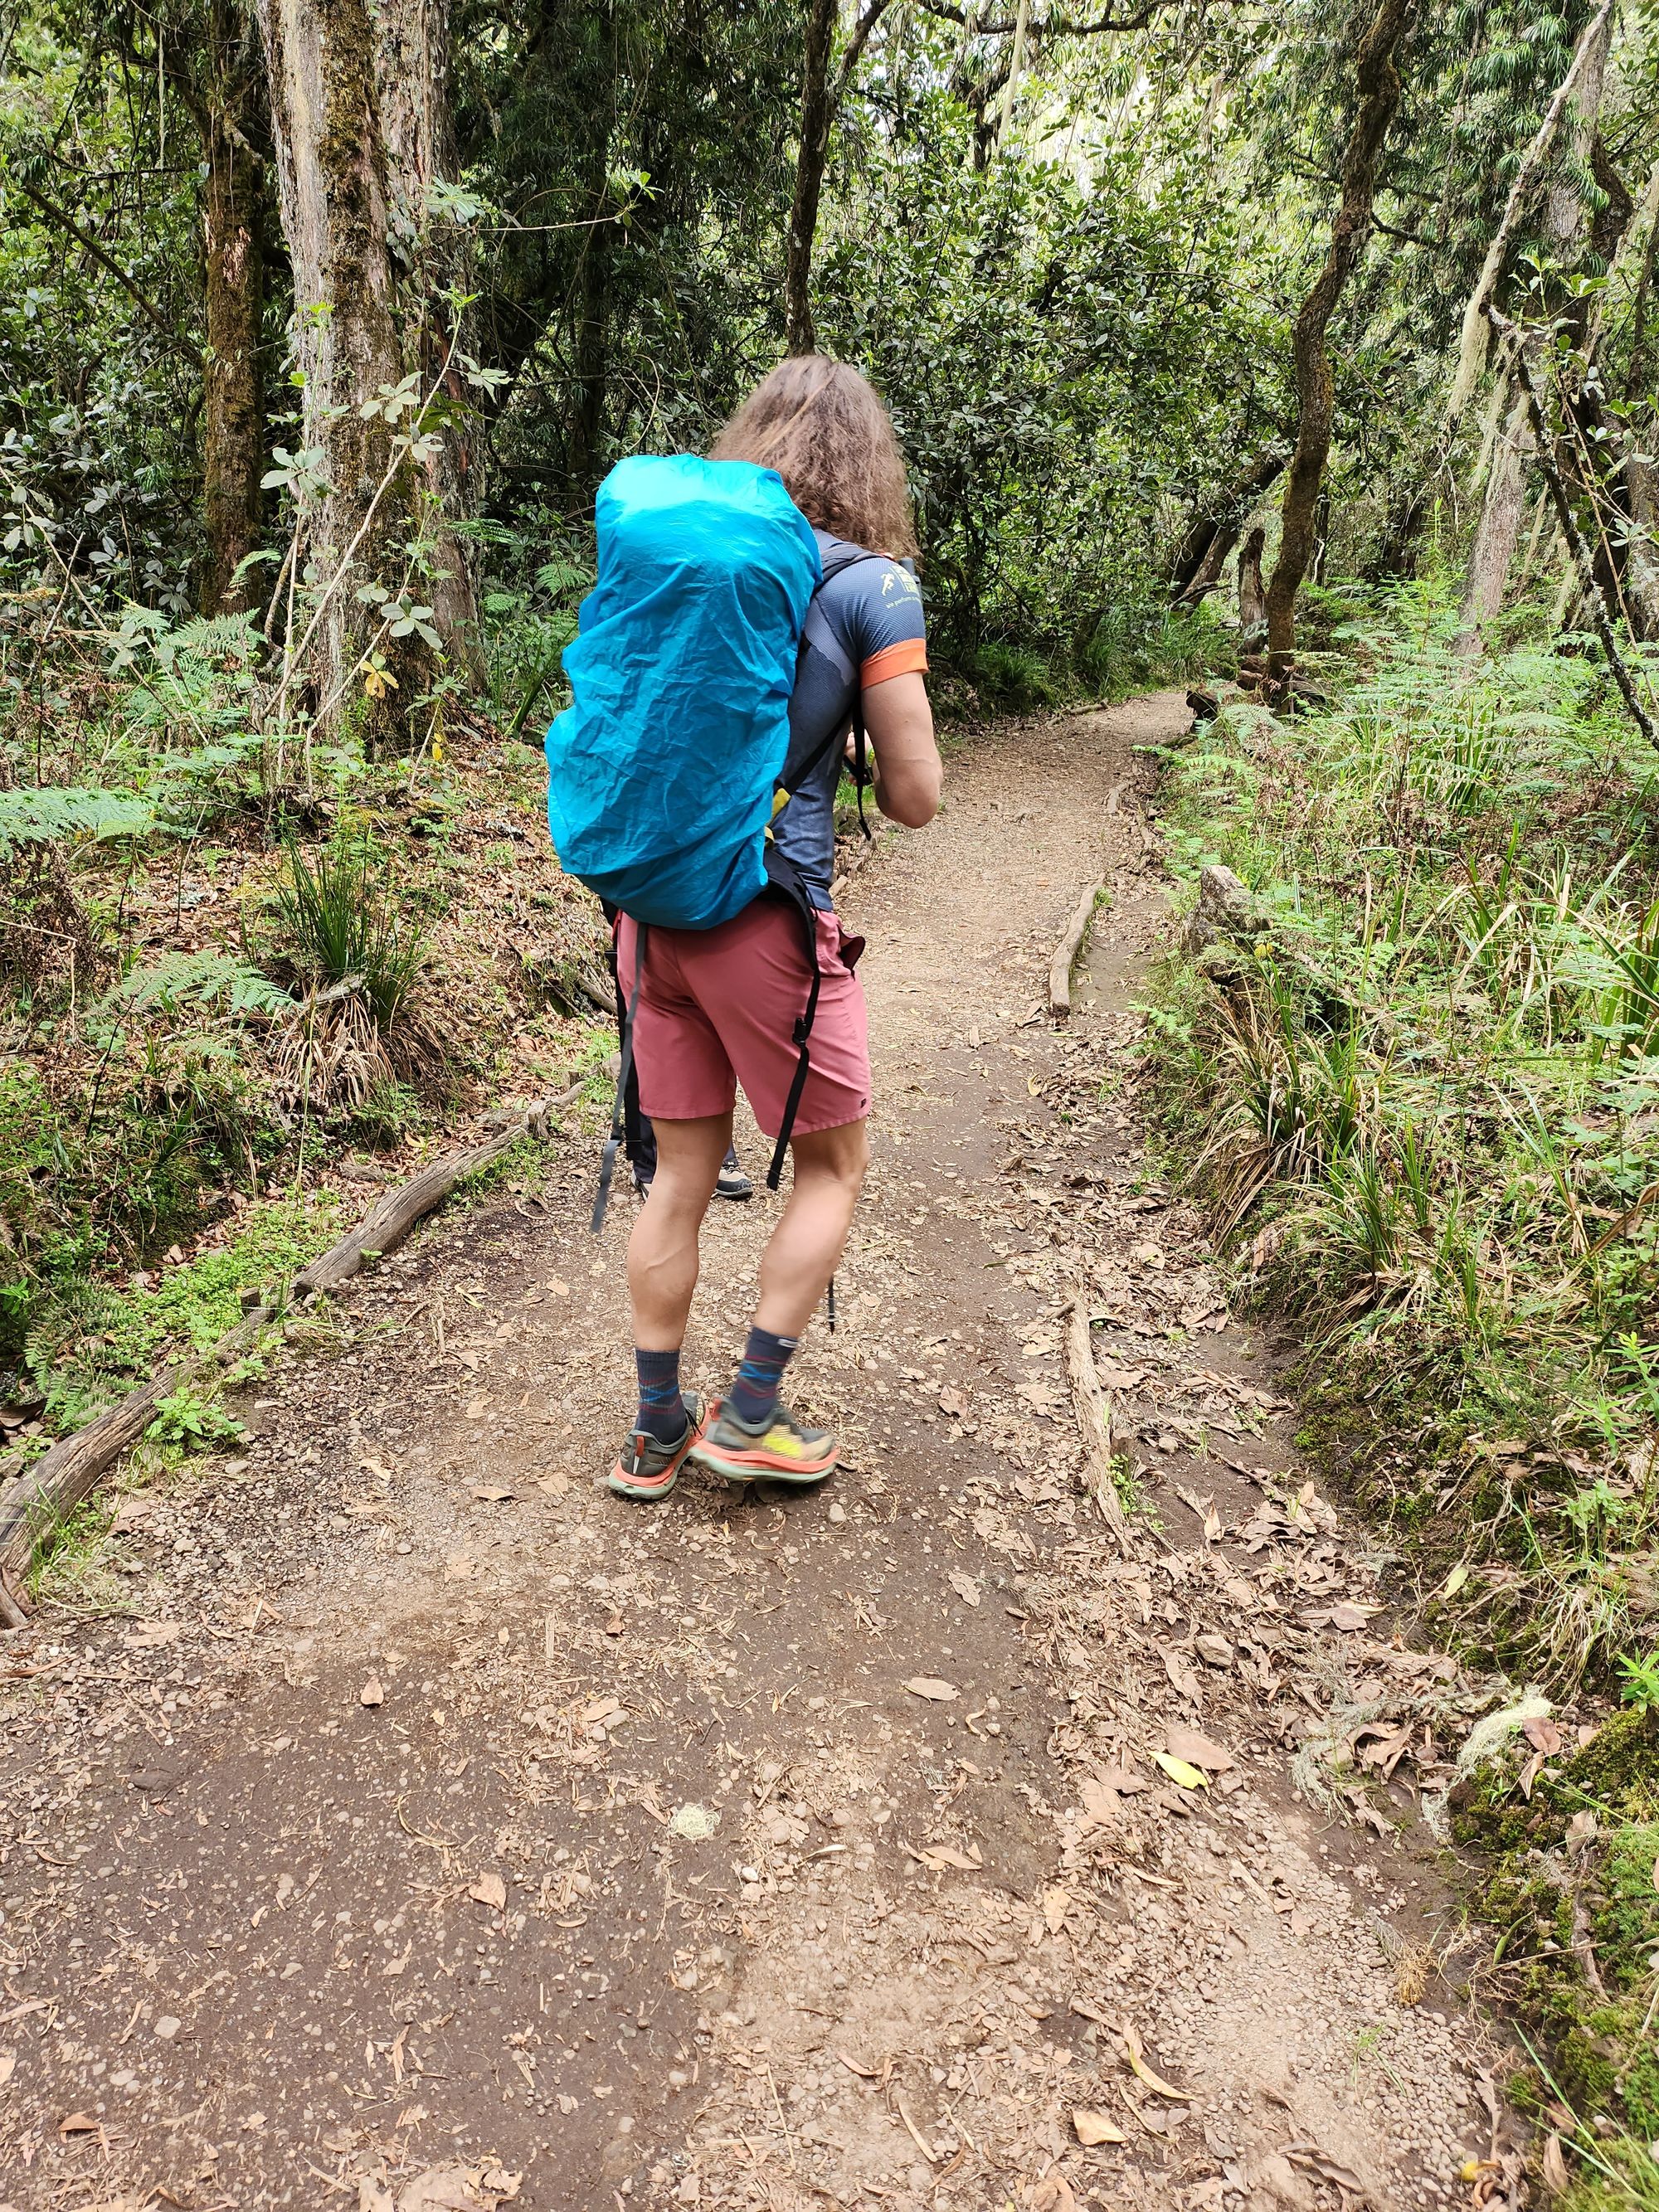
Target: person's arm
x,y
908,773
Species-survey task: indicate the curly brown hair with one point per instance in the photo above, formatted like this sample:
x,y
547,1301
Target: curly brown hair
x,y
820,425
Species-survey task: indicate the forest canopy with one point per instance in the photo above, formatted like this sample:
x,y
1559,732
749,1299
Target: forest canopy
x,y
1070,247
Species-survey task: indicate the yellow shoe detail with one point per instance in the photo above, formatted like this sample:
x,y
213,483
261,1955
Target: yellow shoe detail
x,y
786,1441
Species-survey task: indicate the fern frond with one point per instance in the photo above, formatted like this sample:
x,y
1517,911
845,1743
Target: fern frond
x,y
202,978
58,815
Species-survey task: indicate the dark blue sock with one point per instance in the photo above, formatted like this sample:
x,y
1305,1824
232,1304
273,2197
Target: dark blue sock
x,y
662,1409
754,1394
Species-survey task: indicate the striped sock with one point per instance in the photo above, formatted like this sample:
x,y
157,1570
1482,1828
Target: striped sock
x,y
754,1395
662,1409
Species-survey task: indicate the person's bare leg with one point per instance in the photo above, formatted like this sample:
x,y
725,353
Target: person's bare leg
x,y
662,1253
805,1247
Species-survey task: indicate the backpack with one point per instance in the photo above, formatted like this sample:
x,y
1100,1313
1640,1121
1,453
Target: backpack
x,y
668,769
662,771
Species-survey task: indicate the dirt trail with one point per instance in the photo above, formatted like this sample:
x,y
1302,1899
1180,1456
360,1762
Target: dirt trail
x,y
438,1815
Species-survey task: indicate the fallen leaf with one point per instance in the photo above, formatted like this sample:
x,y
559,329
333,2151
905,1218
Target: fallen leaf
x,y
1055,1906
1099,1801
78,2124
1124,1780
964,1585
494,1493
1188,1777
1132,2051
930,1686
371,1693
373,2196
1455,1581
1348,1616
1543,1736
1196,1750
1094,2128
450,2189
556,1289
151,1635
489,1889
864,2073
1557,2180
939,1857
602,1708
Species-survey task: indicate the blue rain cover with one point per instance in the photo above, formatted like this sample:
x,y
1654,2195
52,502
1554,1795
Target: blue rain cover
x,y
662,769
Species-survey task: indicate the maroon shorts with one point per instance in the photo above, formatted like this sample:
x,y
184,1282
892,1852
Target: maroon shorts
x,y
717,1008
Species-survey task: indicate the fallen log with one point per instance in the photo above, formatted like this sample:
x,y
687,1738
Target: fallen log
x,y
39,1500
1094,1413
1060,967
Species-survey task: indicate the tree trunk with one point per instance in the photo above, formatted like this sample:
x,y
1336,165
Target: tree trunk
x,y
1378,87
1225,513
1498,530
1209,569
360,118
816,116
232,221
1252,597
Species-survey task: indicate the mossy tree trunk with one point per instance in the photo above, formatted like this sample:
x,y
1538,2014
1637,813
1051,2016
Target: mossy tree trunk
x,y
1497,531
359,121
1377,84
228,107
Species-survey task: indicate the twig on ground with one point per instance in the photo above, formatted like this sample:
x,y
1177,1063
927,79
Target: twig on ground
x,y
1094,1413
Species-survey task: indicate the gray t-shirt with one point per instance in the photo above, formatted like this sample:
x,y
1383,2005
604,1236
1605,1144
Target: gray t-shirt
x,y
866,625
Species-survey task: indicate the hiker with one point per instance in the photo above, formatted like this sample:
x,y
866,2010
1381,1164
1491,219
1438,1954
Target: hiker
x,y
755,621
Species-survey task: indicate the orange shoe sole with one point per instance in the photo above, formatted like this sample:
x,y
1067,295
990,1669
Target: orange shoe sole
x,y
756,1464
646,1487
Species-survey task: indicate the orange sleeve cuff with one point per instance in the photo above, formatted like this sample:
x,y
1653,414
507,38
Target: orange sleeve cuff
x,y
908,658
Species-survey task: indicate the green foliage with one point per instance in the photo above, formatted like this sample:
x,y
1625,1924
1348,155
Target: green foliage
x,y
186,1421
69,815
209,977
340,927
1422,1088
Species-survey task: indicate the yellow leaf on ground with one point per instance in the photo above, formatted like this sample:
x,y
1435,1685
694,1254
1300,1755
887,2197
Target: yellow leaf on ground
x,y
1187,1778
489,1889
1132,2051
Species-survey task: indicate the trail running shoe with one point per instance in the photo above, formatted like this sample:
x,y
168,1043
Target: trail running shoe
x,y
776,1450
732,1181
648,1469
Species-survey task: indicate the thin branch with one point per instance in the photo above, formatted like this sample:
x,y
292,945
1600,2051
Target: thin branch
x,y
855,45
1052,27
63,218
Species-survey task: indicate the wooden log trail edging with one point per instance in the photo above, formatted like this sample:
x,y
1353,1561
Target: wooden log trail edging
x,y
37,1501
1065,952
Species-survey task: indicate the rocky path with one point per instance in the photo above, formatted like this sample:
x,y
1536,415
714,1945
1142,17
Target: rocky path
x,y
437,1830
